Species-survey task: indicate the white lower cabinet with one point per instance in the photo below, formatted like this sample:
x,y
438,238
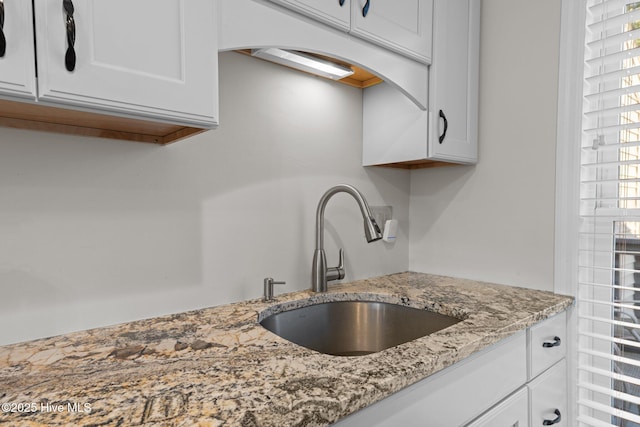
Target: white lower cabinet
x,y
491,388
512,412
542,402
548,397
456,395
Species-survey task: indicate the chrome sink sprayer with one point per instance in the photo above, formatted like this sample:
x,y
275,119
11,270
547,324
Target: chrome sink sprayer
x,y
320,272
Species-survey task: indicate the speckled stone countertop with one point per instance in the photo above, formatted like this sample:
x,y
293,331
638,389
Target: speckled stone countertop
x,y
218,366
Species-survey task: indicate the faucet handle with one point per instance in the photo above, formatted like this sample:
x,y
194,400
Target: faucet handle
x,y
268,287
337,273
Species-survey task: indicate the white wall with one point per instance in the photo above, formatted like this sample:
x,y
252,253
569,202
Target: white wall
x,y
495,221
96,232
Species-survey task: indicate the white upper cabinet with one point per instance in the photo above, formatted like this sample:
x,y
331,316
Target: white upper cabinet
x,y
333,12
17,65
453,85
148,58
248,24
397,133
403,27
145,70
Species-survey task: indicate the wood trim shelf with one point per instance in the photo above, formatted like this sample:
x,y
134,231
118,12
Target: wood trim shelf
x,y
26,115
417,164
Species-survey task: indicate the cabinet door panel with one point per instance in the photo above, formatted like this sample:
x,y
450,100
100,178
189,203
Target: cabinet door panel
x,y
547,394
512,412
152,58
401,26
454,81
329,11
393,128
17,66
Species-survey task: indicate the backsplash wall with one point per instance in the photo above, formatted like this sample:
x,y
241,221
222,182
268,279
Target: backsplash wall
x,y
495,221
96,232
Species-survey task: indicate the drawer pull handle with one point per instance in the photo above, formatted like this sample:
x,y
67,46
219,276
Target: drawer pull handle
x,y
70,55
554,421
446,126
555,343
341,2
3,40
365,9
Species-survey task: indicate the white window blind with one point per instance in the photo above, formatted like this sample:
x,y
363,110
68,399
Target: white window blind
x,y
608,297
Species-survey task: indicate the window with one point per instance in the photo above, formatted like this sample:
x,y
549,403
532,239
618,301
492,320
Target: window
x,y
608,294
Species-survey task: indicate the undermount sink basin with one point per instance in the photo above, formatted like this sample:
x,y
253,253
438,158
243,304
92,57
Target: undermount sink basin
x,y
355,328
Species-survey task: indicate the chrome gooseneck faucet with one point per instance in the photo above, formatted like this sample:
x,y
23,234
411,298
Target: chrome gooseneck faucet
x,y
321,274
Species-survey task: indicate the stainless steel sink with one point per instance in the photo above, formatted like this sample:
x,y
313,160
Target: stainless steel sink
x,y
354,328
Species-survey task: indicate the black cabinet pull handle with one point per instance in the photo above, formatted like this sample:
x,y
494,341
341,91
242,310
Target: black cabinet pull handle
x,y
446,126
3,40
554,421
341,2
555,343
70,55
365,9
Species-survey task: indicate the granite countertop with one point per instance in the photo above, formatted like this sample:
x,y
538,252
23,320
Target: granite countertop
x,y
218,366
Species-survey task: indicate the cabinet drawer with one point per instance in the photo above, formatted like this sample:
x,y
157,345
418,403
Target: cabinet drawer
x,y
512,412
547,344
548,397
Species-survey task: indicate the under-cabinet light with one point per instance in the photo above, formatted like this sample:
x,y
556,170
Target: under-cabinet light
x,y
303,62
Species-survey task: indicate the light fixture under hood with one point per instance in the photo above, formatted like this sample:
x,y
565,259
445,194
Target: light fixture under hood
x,y
303,62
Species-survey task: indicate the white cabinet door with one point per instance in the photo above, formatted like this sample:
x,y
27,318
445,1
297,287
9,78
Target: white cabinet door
x,y
394,129
17,66
401,26
511,412
144,58
395,132
453,86
548,397
404,27
333,12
